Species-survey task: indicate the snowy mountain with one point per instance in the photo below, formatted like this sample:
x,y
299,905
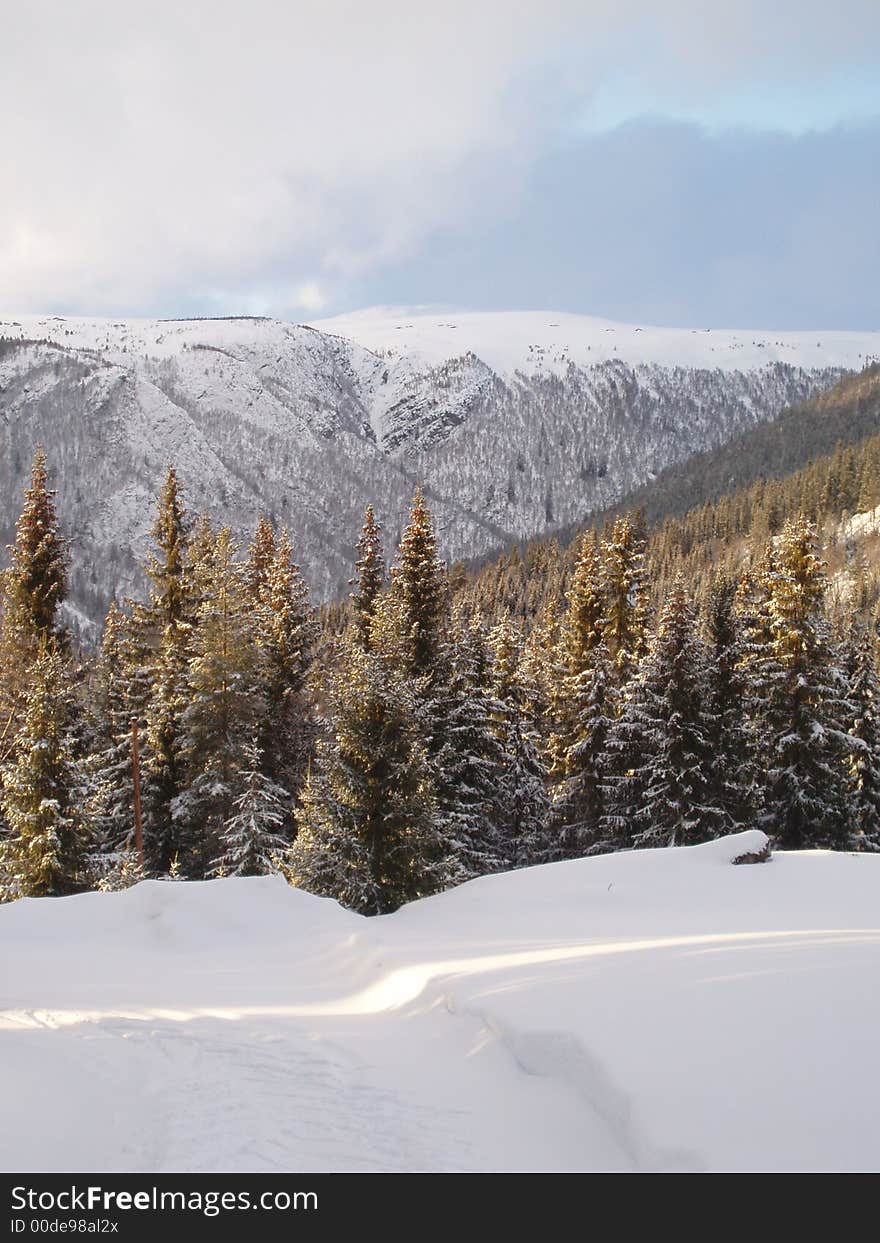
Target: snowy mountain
x,y
654,1010
515,423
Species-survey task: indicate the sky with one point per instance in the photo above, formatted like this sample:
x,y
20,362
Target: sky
x,y
680,163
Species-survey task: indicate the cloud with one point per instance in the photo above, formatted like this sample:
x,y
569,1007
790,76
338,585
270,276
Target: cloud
x,y
668,223
284,154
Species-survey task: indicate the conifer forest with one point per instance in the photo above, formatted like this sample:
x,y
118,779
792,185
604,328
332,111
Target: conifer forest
x,y
636,687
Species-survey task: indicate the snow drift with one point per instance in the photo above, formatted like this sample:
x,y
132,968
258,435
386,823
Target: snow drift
x,y
656,1010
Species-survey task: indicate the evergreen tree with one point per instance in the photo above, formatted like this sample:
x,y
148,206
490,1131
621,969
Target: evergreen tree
x,y
805,703
261,557
731,736
286,632
367,832
110,774
623,555
223,705
421,585
37,580
33,587
370,580
579,801
864,747
469,762
252,841
162,633
659,789
524,801
45,852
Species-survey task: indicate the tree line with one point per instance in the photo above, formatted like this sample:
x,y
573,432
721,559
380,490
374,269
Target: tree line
x,y
420,740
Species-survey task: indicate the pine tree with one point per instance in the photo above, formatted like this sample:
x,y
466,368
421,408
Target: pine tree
x,y
223,705
623,555
863,768
805,713
367,832
523,798
33,588
161,636
252,840
37,581
659,789
261,557
731,736
579,800
469,762
109,765
286,632
45,852
421,585
584,622
370,580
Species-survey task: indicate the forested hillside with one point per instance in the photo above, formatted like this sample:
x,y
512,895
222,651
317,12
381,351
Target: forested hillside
x,y
641,687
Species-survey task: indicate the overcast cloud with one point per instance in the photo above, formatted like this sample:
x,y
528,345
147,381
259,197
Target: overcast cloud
x,y
303,158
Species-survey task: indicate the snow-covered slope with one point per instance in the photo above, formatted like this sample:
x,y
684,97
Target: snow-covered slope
x,y
515,423
530,341
659,1010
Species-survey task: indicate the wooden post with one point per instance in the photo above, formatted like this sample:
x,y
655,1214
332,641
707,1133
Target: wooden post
x,y
136,772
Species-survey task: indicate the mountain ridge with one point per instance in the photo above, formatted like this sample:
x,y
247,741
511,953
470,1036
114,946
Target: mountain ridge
x,y
308,426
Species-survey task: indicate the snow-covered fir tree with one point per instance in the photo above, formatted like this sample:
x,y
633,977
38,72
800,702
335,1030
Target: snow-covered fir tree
x,y
33,587
420,583
863,766
46,849
732,738
579,797
581,708
370,575
224,703
468,760
286,632
659,788
161,632
368,835
625,592
805,709
109,765
253,841
524,801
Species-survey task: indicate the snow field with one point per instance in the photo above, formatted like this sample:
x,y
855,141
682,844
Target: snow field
x,y
655,1010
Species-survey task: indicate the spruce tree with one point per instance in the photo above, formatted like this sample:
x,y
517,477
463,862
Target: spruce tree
x,y
286,632
37,580
109,764
34,585
523,798
162,633
863,767
623,555
659,788
420,582
370,577
579,799
45,852
731,735
469,761
804,722
223,705
252,841
367,831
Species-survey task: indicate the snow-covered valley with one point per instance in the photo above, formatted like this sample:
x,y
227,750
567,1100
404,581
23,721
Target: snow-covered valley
x,y
657,1010
515,423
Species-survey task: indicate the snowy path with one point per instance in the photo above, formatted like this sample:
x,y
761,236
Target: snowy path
x,y
656,1011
